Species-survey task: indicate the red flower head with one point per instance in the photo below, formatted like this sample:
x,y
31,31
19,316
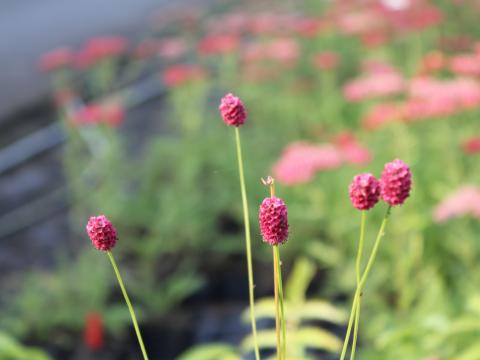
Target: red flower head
x,y
93,334
232,110
102,233
178,75
395,183
364,191
273,220
471,146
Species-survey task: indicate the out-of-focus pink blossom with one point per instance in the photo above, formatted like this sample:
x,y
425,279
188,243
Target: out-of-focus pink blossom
x,y
326,60
351,150
471,146
110,113
178,75
56,59
147,48
432,62
373,66
172,48
100,48
466,64
375,38
300,161
309,27
463,201
360,22
218,44
374,85
382,114
284,50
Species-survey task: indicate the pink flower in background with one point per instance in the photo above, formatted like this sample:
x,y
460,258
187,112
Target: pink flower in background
x,y
273,219
471,146
101,232
395,182
364,191
463,201
146,49
300,161
432,62
360,22
218,44
326,60
100,48
284,50
374,85
113,113
351,151
172,48
90,114
465,64
232,110
178,75
373,66
375,38
309,27
56,59
382,114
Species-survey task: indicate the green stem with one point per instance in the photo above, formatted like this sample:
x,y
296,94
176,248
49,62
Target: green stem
x,y
280,294
247,243
129,304
358,272
356,297
277,307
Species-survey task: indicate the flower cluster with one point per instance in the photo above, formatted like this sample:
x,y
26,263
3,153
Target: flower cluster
x,y
232,110
101,232
393,187
273,220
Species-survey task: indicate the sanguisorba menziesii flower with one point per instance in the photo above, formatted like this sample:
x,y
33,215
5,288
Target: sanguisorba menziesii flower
x,y
104,237
273,220
395,182
364,191
232,110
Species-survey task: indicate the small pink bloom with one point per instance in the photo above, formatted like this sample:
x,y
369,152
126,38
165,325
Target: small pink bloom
x,y
232,110
466,64
471,146
464,201
100,48
273,220
56,59
432,62
364,191
381,114
218,44
172,48
326,60
284,50
113,113
374,85
102,233
88,115
395,182
178,75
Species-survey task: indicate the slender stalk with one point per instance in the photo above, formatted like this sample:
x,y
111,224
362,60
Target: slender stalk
x,y
248,246
363,280
280,294
129,304
358,274
277,307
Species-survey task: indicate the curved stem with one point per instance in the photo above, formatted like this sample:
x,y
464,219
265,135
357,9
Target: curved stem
x,y
248,246
358,272
280,294
363,280
277,307
129,304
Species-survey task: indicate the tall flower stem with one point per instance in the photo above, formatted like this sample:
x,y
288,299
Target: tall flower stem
x,y
363,280
277,307
280,294
358,265
248,245
129,304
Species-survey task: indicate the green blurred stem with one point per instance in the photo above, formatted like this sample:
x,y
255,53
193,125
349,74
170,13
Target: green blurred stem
x,y
363,280
129,304
248,246
358,265
278,263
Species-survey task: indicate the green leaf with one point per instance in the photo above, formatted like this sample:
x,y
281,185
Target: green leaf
x,y
299,279
213,351
471,353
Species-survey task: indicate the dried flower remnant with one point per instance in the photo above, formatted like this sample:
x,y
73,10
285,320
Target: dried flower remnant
x,y
232,110
395,182
463,201
364,191
102,233
273,220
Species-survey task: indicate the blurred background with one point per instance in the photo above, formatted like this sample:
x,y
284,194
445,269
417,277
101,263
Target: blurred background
x,y
111,107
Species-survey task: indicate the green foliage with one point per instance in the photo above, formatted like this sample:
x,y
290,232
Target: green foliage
x,y
10,349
